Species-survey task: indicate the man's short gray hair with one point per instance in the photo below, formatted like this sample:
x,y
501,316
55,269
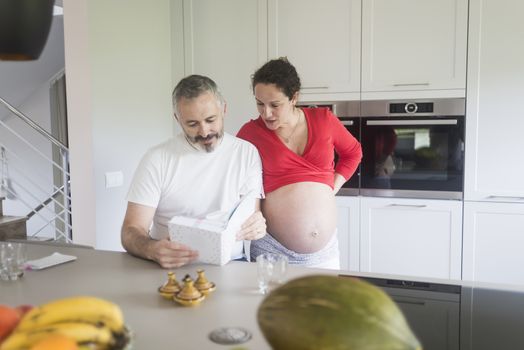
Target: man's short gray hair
x,y
193,86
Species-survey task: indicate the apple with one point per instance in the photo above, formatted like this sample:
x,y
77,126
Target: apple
x,y
23,309
9,318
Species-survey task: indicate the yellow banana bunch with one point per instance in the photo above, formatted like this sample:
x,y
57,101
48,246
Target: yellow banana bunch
x,y
76,309
90,321
82,333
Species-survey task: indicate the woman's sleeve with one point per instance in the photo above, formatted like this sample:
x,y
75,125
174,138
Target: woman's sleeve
x,y
346,146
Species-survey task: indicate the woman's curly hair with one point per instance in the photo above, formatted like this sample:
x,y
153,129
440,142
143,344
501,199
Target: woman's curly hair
x,y
279,72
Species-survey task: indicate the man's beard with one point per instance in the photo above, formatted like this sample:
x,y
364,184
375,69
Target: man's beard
x,y
195,141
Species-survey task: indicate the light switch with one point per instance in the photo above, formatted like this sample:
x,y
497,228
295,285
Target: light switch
x,y
114,179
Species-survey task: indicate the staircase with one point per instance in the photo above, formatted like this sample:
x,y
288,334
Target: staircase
x,y
11,226
35,198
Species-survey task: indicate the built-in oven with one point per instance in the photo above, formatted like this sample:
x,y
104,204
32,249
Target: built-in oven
x,y
348,112
412,148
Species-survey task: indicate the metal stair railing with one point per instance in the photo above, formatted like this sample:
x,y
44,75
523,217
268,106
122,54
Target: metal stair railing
x,y
29,181
44,205
48,221
35,186
46,202
60,196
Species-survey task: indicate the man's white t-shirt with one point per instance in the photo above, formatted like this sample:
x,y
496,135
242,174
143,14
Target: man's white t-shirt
x,y
177,179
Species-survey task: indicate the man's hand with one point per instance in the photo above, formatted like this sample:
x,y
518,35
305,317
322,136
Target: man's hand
x,y
171,254
136,240
253,228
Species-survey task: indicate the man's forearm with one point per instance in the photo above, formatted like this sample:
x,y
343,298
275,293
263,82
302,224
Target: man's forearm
x,y
137,243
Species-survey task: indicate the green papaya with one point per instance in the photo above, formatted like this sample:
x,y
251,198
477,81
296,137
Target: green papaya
x,y
329,312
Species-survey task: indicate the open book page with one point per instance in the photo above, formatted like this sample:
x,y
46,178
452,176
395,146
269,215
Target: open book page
x,y
214,237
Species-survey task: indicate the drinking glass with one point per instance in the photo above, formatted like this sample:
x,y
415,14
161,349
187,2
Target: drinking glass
x,y
271,270
12,259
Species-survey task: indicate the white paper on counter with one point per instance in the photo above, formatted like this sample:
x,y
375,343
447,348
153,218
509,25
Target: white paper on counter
x,y
214,237
48,261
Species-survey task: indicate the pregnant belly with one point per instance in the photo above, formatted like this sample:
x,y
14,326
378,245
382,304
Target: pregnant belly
x,y
301,216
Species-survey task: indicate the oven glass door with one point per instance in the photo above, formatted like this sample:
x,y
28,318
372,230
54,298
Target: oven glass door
x,y
417,154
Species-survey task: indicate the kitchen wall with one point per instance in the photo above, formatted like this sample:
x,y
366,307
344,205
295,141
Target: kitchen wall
x,y
118,64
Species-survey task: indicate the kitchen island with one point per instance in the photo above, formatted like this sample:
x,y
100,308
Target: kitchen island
x,y
457,315
132,283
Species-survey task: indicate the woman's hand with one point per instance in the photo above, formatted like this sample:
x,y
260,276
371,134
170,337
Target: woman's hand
x,y
339,181
253,228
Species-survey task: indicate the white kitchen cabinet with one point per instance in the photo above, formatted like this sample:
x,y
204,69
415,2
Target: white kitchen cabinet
x,y
414,45
495,119
493,242
322,40
348,226
227,41
411,237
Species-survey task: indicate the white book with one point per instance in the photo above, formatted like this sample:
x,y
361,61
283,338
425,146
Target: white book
x,y
214,237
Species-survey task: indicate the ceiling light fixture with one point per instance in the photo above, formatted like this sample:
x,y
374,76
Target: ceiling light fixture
x,y
24,28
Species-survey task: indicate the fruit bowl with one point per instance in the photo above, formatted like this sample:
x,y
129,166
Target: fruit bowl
x,y
123,340
90,322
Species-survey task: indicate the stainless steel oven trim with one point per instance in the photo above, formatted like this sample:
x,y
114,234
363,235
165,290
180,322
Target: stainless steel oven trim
x,y
340,108
344,191
371,192
441,107
413,122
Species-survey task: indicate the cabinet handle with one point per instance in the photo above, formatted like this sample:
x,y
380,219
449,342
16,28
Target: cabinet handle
x,y
314,87
506,197
347,122
411,84
408,205
411,302
413,122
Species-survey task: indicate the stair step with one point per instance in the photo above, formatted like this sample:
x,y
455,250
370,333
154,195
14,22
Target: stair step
x,y
11,219
12,227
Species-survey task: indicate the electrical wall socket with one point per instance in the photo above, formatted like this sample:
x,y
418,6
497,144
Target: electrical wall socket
x,y
114,179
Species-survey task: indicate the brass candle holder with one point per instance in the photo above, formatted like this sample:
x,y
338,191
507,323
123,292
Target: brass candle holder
x,y
189,295
203,284
189,292
171,287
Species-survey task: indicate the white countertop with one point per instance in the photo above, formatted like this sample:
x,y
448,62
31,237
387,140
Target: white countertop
x,y
132,283
156,322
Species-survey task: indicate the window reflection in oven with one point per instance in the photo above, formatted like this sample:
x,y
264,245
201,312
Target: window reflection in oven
x,y
413,154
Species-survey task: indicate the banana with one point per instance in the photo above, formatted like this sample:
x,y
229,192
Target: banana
x,y
83,333
83,309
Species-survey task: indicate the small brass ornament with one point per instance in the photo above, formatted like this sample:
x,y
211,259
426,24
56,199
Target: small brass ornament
x,y
189,295
203,284
171,287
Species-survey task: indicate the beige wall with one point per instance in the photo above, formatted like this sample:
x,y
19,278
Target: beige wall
x,y
118,67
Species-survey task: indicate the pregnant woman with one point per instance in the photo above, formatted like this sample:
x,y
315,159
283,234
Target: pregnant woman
x,y
297,147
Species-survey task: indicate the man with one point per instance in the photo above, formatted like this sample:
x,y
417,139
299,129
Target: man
x,y
200,171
